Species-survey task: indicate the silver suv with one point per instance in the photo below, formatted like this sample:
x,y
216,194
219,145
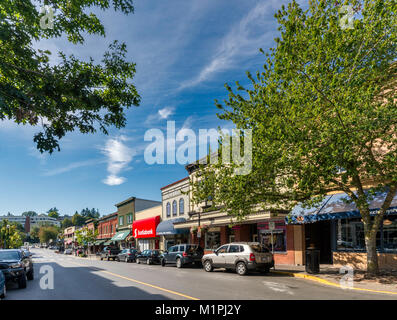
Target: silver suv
x,y
240,256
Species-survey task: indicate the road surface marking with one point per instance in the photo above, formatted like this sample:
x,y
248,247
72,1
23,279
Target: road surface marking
x,y
137,281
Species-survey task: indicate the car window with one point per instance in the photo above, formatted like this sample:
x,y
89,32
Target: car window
x,y
222,249
259,248
181,248
234,248
9,255
174,249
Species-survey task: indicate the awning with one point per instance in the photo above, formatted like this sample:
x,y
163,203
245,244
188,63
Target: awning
x,y
145,228
337,206
98,242
108,242
167,227
121,235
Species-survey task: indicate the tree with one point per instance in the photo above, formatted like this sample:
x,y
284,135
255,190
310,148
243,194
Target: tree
x,y
10,237
53,213
78,220
29,214
85,236
48,234
87,213
34,234
69,95
66,223
323,114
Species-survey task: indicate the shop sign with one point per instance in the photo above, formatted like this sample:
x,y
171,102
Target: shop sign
x,y
214,229
145,228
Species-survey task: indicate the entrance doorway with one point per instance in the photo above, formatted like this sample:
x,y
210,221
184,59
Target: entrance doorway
x,y
319,235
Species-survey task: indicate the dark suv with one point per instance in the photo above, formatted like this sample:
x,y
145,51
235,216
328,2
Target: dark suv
x,y
16,266
182,254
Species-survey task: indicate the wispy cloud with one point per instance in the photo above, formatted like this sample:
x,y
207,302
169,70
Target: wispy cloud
x,y
119,155
244,39
72,166
161,114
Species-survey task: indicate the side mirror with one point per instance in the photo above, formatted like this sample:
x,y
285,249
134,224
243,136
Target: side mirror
x,y
216,252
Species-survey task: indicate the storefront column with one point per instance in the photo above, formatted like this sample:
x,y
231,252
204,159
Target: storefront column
x,y
224,235
243,233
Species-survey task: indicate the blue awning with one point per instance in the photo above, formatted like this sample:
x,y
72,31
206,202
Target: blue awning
x,y
336,206
166,227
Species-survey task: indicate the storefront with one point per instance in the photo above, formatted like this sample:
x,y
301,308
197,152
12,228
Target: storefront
x,y
144,232
273,234
335,228
171,236
122,239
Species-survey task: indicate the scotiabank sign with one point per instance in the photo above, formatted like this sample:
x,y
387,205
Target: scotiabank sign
x,y
145,228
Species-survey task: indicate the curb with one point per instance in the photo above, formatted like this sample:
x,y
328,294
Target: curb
x,y
326,282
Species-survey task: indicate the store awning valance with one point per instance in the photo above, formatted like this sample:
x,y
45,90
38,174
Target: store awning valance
x,y
167,227
337,206
121,235
98,242
108,243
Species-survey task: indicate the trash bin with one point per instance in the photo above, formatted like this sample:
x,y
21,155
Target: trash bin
x,y
312,260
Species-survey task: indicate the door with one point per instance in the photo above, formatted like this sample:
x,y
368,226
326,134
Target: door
x,y
171,256
219,259
232,255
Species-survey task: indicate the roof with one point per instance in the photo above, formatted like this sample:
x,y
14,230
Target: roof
x,y
125,201
171,184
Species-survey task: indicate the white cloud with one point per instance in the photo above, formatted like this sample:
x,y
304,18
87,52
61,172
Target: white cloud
x,y
244,39
161,114
118,157
72,166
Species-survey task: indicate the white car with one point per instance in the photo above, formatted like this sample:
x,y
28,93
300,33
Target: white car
x,y
241,257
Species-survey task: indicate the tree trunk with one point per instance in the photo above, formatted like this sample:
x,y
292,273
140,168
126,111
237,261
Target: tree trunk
x,y
372,256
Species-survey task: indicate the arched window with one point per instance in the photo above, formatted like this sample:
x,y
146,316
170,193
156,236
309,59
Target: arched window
x,y
168,209
181,206
174,208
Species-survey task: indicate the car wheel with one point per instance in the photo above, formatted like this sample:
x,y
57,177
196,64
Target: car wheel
x,y
30,275
22,281
101,258
208,266
148,261
3,295
179,263
162,262
241,268
126,259
266,270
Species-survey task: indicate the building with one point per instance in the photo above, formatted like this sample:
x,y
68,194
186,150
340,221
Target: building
x,y
107,226
126,215
175,208
210,227
335,228
144,228
69,237
30,222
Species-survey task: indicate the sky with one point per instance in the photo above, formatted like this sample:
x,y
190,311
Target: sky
x,y
185,51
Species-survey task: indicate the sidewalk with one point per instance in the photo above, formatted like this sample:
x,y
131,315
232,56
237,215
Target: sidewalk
x,y
386,282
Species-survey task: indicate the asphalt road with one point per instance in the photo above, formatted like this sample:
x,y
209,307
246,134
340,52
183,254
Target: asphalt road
x,y
76,278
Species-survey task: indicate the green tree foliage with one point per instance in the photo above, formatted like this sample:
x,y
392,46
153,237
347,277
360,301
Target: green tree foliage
x,y
78,220
85,236
323,114
53,213
10,237
29,214
69,95
34,234
48,233
66,223
87,213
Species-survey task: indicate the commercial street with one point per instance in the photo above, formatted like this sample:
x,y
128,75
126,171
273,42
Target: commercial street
x,y
76,278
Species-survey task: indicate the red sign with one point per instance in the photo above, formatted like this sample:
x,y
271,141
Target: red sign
x,y
145,228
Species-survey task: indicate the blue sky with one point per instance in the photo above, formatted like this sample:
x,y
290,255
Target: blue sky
x,y
185,52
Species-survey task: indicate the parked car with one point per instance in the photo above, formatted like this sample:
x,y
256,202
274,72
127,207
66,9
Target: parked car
x,y
127,255
241,257
27,252
68,251
3,289
149,256
182,254
16,266
109,253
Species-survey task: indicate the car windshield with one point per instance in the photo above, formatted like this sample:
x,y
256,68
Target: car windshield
x,y
9,255
259,248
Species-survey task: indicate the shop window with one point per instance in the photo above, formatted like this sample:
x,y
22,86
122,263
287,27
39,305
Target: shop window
x,y
350,235
121,221
212,240
181,206
168,209
390,234
129,218
174,208
277,239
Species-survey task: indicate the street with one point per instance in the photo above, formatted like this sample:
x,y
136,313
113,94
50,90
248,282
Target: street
x,y
77,278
